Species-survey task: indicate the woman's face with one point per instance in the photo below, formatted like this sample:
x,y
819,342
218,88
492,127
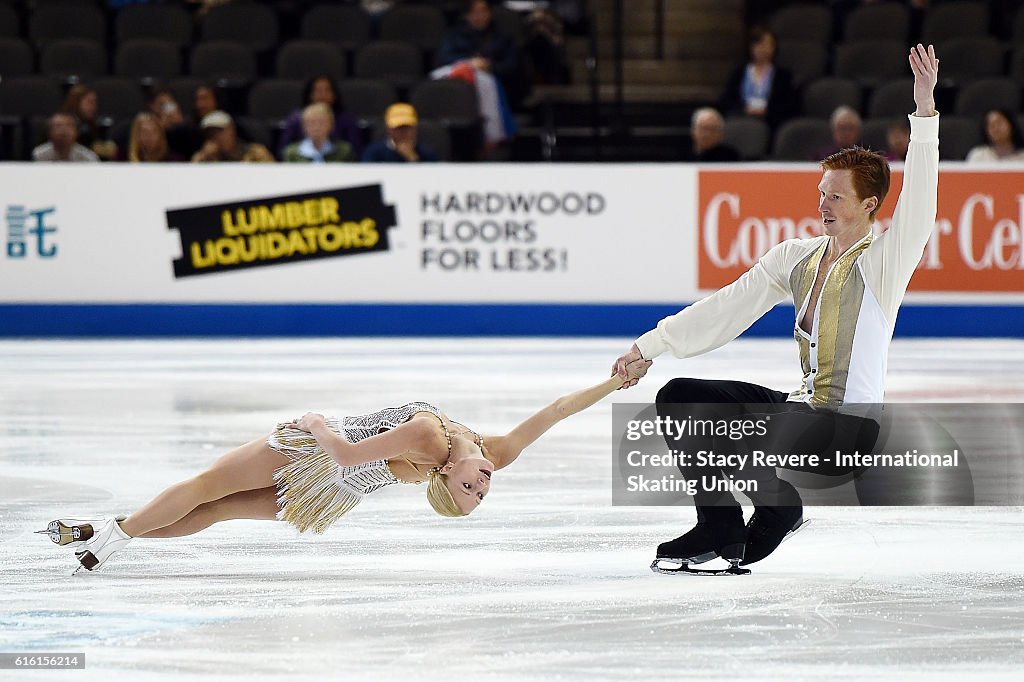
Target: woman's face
x,y
205,101
479,15
321,92
149,135
87,106
469,480
763,51
997,128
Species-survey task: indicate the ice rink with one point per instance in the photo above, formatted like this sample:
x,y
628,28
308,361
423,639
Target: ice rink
x,y
547,581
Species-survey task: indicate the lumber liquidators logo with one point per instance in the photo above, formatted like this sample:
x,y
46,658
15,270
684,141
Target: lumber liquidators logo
x,y
276,230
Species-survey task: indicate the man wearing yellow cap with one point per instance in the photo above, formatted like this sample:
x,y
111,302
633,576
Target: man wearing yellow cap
x,y
401,145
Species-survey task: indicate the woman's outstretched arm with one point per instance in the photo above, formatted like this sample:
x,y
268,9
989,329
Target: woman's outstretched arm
x,y
505,449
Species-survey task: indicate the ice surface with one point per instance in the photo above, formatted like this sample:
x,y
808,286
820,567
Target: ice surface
x,y
546,582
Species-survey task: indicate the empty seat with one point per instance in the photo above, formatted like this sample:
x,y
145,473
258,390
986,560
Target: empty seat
x,y
420,25
367,98
800,139
1017,31
148,58
435,136
805,59
274,98
397,62
16,58
118,98
874,132
73,59
958,136
802,22
450,101
345,25
749,136
161,22
307,58
10,26
511,23
1017,66
871,62
29,96
954,20
965,59
821,97
979,97
223,60
57,20
894,98
251,24
883,21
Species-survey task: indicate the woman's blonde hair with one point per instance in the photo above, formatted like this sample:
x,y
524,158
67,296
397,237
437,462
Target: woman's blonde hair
x,y
439,497
135,151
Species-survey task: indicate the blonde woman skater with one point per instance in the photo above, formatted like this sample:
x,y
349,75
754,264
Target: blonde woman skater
x,y
314,469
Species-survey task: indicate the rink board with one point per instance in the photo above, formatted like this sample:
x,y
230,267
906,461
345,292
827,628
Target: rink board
x,y
454,249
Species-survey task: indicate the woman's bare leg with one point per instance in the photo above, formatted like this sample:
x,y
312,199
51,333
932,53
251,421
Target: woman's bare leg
x,y
249,467
248,504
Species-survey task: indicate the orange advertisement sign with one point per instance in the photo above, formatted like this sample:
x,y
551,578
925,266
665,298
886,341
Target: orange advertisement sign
x,y
977,246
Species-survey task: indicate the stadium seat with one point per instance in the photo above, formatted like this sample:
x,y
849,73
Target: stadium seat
x,y
274,98
301,59
167,22
805,59
871,62
51,21
821,97
421,25
147,58
979,97
397,62
971,58
800,139
749,136
251,24
366,99
221,59
345,25
16,58
882,21
954,20
802,22
959,135
73,59
894,98
451,101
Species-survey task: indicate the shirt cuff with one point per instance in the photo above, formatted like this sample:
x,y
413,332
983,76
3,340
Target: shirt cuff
x,y
651,345
924,128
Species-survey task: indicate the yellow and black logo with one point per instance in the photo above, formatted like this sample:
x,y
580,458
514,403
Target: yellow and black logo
x,y
276,230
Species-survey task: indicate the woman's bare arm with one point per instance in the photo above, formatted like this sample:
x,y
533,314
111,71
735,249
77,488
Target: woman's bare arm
x,y
505,449
420,436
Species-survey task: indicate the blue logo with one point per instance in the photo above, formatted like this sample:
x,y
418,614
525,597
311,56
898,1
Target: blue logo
x,y
28,231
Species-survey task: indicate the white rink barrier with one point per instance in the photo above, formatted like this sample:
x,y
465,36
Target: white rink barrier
x,y
449,249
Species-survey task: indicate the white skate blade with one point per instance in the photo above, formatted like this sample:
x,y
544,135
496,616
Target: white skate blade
x,y
684,569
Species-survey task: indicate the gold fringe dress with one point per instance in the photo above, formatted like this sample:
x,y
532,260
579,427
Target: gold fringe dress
x,y
313,490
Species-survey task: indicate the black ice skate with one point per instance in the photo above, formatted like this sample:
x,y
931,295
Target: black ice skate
x,y
768,528
719,533
69,532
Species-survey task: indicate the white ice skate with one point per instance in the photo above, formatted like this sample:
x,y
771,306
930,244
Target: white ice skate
x,y
68,532
109,538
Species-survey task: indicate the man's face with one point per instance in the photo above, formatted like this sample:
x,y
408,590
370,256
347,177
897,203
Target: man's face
x,y
317,125
846,131
707,132
479,16
403,135
841,211
63,132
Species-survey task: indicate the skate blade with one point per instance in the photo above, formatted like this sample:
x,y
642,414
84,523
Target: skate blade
x,y
63,534
684,567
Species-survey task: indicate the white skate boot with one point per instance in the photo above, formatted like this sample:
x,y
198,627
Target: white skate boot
x,y
68,532
107,539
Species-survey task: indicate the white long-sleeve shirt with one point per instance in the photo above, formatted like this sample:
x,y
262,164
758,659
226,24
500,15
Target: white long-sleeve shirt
x,y
845,355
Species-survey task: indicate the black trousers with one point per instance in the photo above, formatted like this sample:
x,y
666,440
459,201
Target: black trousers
x,y
795,428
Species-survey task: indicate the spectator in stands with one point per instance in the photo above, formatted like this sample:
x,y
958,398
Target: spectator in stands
x,y
1003,139
897,139
478,41
760,88
181,139
317,145
845,125
83,103
63,144
148,141
222,143
323,89
204,102
401,145
707,129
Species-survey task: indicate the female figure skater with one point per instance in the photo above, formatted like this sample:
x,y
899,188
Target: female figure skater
x,y
312,470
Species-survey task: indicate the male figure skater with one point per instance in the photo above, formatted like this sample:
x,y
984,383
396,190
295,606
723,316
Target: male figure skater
x,y
847,286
